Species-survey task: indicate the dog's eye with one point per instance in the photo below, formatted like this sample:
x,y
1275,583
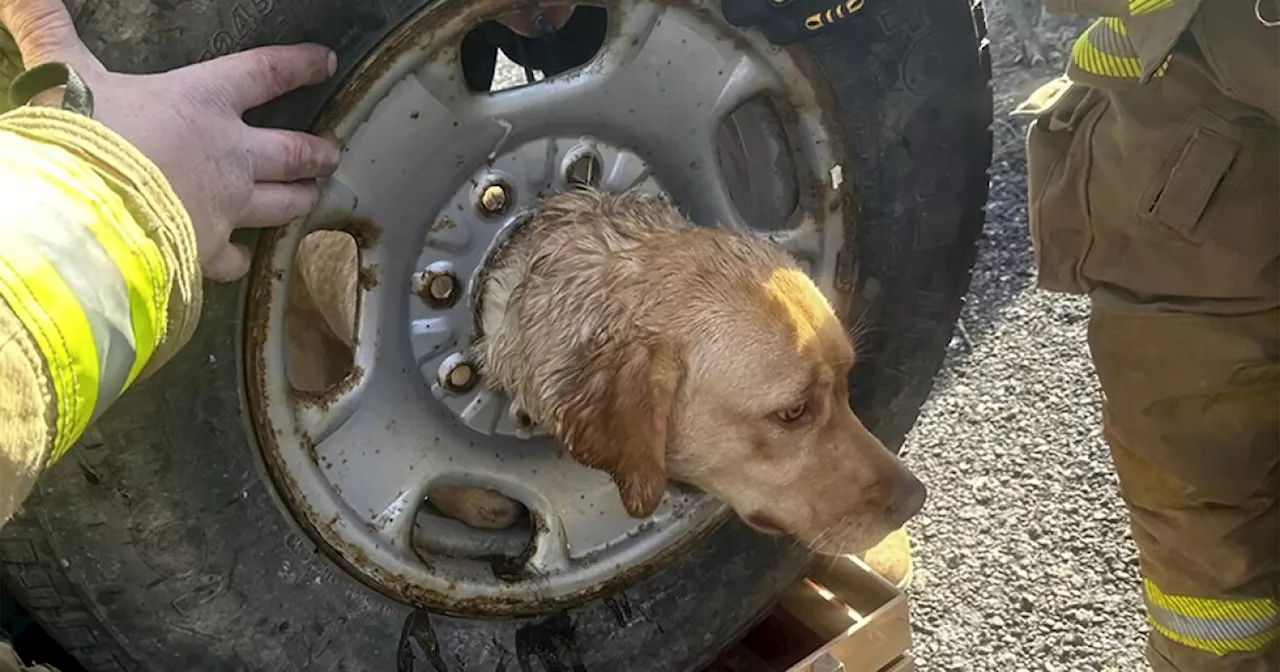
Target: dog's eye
x,y
793,414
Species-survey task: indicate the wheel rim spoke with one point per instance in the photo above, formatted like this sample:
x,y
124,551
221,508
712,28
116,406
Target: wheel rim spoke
x,y
629,171
428,121
394,523
617,92
669,119
802,238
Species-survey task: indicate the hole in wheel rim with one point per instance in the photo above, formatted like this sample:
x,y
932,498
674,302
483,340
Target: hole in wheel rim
x,y
497,529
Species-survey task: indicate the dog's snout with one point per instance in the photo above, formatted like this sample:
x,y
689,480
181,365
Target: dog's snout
x,y
907,500
764,523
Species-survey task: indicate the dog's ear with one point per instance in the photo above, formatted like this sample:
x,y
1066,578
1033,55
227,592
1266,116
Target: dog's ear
x,y
616,414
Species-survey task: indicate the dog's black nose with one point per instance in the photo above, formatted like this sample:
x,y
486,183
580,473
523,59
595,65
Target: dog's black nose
x,y
907,500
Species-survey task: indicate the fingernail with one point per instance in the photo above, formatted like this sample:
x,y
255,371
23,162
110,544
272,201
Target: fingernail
x,y
333,63
333,155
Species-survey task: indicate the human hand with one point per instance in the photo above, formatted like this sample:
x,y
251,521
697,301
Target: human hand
x,y
229,175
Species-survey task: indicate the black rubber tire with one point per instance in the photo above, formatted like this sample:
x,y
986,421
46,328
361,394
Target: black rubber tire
x,y
157,544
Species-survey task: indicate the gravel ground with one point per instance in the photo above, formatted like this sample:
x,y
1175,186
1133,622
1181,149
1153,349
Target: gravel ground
x,y
1023,556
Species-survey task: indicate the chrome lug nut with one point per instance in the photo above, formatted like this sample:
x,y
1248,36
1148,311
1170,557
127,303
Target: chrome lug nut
x,y
442,287
494,200
460,378
438,288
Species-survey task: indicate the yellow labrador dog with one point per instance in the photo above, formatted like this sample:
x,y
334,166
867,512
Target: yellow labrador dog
x,y
654,349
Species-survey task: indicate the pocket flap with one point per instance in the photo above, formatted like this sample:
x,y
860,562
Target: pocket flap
x,y
1199,170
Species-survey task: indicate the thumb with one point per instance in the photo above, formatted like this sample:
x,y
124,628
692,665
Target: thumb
x,y
44,32
229,263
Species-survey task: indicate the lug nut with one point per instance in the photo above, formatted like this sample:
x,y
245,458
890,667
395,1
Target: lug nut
x,y
461,377
442,287
494,200
584,170
438,288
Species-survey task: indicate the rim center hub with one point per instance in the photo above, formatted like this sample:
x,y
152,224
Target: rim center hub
x,y
483,211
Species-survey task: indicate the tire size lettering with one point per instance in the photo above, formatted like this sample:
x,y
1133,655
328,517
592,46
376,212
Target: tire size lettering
x,y
247,19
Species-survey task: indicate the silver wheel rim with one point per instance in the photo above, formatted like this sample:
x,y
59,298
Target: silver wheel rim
x,y
353,464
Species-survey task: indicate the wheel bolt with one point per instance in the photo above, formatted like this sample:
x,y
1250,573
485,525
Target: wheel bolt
x,y
494,200
438,289
461,377
442,287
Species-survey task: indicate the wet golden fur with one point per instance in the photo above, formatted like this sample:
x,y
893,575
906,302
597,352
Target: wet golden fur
x,y
656,350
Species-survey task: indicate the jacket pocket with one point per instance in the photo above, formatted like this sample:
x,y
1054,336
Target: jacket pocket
x,y
1058,163
1190,213
1192,172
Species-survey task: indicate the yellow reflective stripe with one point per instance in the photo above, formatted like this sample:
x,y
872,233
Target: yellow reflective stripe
x,y
1137,7
55,223
1099,51
81,277
140,263
52,315
92,163
1105,50
99,245
1217,626
1206,608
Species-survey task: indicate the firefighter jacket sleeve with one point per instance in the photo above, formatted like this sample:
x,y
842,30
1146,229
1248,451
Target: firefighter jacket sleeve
x,y
1130,41
99,283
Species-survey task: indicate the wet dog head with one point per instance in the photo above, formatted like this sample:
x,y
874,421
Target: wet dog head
x,y
730,373
765,425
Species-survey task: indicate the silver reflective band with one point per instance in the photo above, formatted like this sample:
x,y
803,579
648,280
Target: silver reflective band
x,y
90,273
1213,628
1222,626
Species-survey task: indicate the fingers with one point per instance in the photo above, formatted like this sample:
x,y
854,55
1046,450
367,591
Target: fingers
x,y
270,204
256,76
44,32
230,264
287,156
278,203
